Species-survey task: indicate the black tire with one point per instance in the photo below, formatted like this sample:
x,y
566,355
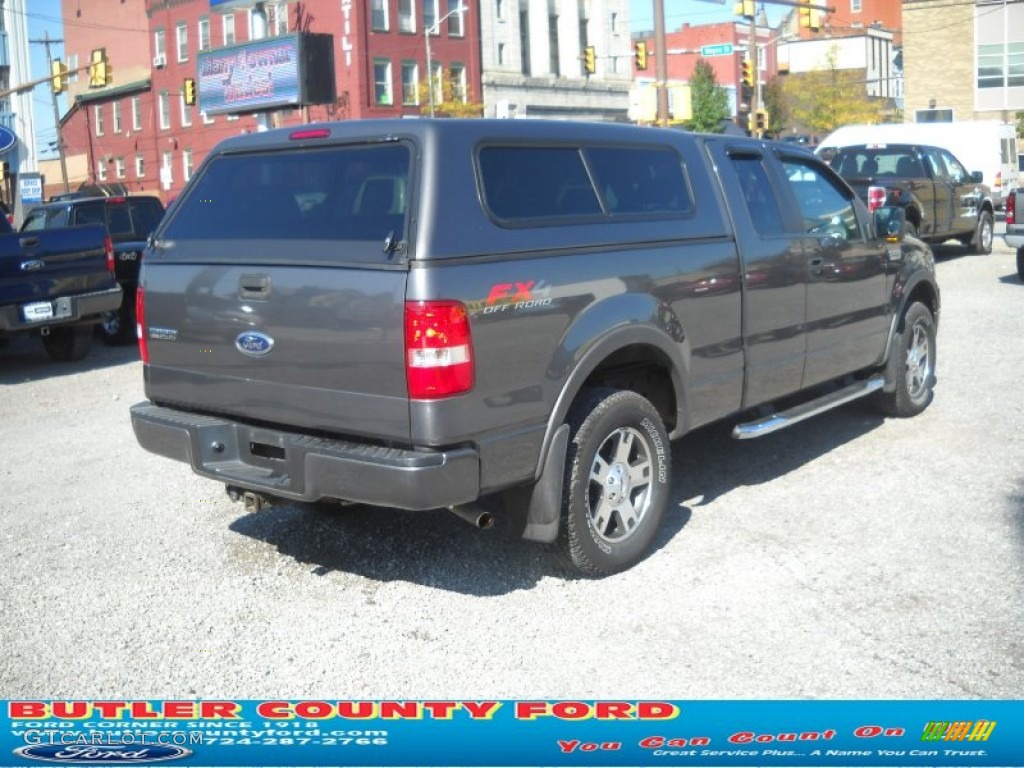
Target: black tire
x,y
619,445
983,234
913,364
910,229
118,326
69,342
1020,264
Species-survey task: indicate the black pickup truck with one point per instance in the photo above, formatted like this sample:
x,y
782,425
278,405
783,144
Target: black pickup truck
x,y
58,284
129,219
941,199
513,317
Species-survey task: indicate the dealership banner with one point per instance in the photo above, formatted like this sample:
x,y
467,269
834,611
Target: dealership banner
x,y
480,732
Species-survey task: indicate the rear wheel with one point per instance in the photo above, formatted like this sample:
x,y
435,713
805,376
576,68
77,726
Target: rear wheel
x,y
914,365
118,326
69,342
983,234
617,481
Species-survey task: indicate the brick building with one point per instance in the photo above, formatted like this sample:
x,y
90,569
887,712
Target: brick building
x,y
138,132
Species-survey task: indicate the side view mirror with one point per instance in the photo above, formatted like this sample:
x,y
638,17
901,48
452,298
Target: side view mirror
x,y
977,177
891,223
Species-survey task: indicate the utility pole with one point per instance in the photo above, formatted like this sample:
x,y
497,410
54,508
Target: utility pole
x,y
755,91
660,62
48,41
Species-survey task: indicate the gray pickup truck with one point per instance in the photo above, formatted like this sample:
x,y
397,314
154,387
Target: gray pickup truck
x,y
514,317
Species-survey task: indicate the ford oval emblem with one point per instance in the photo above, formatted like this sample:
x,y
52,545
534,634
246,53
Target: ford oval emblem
x,y
254,344
102,755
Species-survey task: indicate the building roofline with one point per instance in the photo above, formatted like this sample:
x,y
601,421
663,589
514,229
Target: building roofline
x,y
87,97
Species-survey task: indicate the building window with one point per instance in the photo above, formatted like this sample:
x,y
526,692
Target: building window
x,y
554,64
500,9
136,113
164,106
186,113
501,54
379,15
204,34
524,42
119,167
166,169
435,82
140,166
207,119
97,114
455,21
228,20
101,170
410,83
382,82
406,16
116,109
160,44
72,67
614,23
181,37
458,75
1001,65
277,19
430,15
232,118
855,6
186,164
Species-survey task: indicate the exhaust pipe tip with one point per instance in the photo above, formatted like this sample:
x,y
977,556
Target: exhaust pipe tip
x,y
478,518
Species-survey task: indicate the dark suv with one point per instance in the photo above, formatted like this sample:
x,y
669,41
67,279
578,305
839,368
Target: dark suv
x,y
129,221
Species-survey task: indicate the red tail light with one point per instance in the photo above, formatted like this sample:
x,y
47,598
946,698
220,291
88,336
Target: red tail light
x,y
140,324
438,349
108,246
876,197
1011,208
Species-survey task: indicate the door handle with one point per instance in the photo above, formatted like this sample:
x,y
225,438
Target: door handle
x,y
254,286
29,242
817,265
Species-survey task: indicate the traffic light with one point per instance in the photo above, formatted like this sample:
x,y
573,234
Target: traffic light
x,y
640,54
190,91
808,15
748,73
762,120
7,170
744,8
100,72
59,72
589,60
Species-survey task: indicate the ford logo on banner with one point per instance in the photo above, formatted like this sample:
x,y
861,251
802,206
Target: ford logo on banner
x,y
254,343
102,755
7,139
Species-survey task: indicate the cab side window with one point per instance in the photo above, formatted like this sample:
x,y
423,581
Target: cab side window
x,y
757,195
825,207
957,173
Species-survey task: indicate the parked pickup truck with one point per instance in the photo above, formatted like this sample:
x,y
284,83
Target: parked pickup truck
x,y
510,317
1014,236
941,199
58,284
129,219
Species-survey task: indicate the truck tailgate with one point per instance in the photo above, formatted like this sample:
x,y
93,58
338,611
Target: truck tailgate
x,y
41,265
321,348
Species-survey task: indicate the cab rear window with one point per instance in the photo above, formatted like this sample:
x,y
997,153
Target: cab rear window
x,y
333,193
530,183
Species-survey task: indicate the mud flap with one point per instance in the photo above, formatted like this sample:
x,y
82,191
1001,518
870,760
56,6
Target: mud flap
x,y
539,506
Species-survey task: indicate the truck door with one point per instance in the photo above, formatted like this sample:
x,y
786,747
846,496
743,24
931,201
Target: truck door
x,y
774,275
945,201
963,193
847,318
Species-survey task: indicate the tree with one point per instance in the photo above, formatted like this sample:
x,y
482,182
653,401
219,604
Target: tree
x,y
827,98
776,101
450,101
709,102
1020,123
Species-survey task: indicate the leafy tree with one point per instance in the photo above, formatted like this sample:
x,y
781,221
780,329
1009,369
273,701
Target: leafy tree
x,y
709,103
1020,124
830,97
449,102
776,101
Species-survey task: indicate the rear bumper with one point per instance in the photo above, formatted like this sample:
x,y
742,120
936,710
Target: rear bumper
x,y
67,309
1015,239
307,468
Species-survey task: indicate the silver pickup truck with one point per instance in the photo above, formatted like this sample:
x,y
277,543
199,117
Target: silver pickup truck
x,y
514,318
1014,236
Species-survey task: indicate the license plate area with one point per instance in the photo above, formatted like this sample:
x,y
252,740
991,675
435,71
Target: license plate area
x,y
41,311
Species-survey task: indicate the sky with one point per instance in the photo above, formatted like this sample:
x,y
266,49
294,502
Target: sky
x,y
44,16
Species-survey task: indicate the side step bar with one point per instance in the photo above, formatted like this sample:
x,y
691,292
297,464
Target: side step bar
x,y
777,421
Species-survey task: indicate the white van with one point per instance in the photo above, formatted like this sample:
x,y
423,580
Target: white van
x,y
988,146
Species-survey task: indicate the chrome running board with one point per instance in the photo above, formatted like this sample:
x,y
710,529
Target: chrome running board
x,y
777,421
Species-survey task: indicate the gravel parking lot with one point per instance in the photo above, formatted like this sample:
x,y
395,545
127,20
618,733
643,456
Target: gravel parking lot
x,y
851,556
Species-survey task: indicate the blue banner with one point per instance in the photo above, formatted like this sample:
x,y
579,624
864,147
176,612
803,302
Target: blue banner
x,y
513,733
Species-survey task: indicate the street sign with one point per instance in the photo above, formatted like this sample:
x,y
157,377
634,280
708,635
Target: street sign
x,y
719,49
